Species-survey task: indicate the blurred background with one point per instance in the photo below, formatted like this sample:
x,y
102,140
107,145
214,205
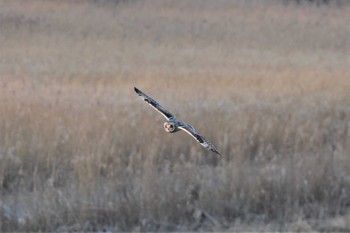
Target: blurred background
x,y
267,82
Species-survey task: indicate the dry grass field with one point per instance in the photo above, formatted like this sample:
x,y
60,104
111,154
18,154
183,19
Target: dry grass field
x,y
267,82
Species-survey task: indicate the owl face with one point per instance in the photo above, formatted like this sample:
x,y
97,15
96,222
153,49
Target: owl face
x,y
169,127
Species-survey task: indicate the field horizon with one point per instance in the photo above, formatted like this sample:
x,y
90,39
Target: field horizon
x,y
266,82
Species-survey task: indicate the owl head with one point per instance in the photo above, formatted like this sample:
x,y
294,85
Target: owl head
x,y
169,127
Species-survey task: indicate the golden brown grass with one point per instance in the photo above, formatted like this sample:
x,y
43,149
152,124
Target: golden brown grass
x,y
267,83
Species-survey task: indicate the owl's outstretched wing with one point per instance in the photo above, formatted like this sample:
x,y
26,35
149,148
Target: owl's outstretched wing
x,y
154,104
204,142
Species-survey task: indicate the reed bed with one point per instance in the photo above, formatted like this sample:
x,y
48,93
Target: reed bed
x,y
267,83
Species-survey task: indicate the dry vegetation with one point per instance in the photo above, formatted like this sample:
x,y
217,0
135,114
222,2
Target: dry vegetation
x,y
267,83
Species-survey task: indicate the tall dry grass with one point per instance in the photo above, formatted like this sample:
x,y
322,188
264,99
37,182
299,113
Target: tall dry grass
x,y
268,84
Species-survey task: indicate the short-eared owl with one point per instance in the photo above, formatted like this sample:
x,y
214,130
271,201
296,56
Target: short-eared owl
x,y
173,125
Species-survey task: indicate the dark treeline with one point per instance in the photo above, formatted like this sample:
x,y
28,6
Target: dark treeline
x,y
318,2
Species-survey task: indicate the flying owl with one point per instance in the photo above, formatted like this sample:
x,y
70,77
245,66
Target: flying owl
x,y
173,124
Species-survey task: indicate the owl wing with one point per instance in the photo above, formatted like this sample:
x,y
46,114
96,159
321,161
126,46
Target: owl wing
x,y
154,104
204,142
